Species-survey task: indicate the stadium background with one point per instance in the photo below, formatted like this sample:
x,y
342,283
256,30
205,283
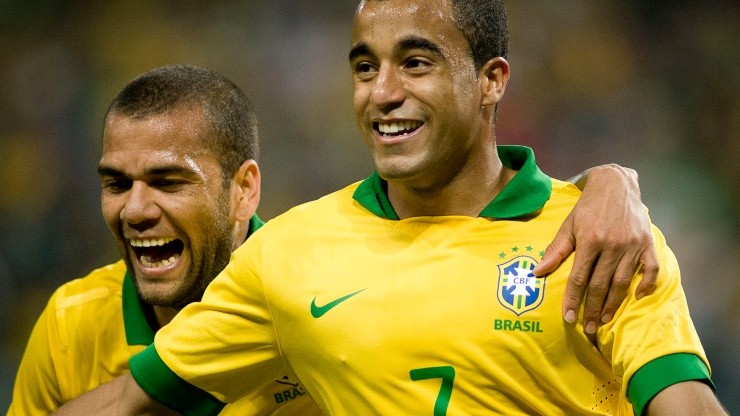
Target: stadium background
x,y
650,85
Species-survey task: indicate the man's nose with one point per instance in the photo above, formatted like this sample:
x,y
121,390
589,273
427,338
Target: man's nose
x,y
141,206
388,91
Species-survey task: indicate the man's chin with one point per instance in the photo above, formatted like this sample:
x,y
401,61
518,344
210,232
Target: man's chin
x,y
158,293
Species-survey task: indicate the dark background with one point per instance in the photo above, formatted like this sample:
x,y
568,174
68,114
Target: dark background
x,y
652,85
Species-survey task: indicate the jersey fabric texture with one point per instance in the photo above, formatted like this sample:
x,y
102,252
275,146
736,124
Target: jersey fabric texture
x,y
423,316
88,332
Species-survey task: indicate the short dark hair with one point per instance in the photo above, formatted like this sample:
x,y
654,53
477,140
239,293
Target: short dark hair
x,y
485,26
226,108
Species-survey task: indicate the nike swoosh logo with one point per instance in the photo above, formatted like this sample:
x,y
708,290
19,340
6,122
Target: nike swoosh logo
x,y
319,311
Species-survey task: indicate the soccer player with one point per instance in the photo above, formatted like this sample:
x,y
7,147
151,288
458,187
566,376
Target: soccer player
x,y
180,187
384,298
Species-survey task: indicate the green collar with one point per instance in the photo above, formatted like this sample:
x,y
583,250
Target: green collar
x,y
526,193
138,330
254,224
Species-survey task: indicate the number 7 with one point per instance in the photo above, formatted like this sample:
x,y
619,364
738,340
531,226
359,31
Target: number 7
x,y
447,374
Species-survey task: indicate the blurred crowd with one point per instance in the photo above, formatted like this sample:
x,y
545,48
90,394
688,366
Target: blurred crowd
x,y
649,85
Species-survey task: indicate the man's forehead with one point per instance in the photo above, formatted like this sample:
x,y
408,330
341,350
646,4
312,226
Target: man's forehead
x,y
402,18
370,8
155,143
170,131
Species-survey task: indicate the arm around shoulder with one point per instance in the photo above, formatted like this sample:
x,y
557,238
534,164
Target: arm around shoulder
x,y
611,229
686,398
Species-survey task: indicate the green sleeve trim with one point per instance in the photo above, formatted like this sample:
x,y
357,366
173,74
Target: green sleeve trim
x,y
166,387
663,372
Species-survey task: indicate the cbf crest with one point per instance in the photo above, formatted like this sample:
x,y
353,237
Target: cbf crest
x,y
518,289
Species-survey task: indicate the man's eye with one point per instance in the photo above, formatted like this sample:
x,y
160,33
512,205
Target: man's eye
x,y
117,185
365,70
416,63
166,183
364,67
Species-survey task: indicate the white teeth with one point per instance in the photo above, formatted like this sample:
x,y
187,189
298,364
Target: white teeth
x,y
396,126
161,263
150,242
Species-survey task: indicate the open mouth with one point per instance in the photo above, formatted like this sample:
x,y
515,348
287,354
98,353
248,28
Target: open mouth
x,y
396,128
157,252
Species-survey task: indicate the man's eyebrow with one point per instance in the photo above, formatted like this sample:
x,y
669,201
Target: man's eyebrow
x,y
415,42
411,42
104,170
358,50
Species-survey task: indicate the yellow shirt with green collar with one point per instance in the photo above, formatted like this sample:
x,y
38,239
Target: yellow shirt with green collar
x,y
86,335
423,316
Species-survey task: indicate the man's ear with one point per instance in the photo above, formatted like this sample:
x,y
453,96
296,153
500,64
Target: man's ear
x,y
493,77
245,191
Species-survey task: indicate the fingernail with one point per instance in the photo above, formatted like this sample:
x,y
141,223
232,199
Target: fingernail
x,y
591,327
639,295
606,318
570,316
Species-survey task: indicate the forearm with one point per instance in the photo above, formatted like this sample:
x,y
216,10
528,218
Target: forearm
x,y
687,398
609,174
122,396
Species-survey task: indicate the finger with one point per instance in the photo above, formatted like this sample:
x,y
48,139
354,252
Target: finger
x,y
576,285
619,287
555,253
650,269
561,246
597,288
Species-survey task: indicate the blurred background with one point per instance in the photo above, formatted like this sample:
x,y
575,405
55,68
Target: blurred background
x,y
651,85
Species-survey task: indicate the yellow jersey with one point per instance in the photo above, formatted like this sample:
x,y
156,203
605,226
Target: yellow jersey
x,y
429,316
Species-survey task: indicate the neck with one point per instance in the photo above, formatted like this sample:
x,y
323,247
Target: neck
x,y
466,192
239,234
164,315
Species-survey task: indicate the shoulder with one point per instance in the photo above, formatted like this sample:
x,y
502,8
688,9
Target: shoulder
x,y
317,213
564,191
563,198
79,306
97,285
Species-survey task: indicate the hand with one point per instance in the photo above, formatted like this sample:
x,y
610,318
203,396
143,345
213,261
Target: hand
x,y
611,229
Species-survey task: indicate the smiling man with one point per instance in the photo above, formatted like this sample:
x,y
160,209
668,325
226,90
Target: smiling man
x,y
180,187
412,292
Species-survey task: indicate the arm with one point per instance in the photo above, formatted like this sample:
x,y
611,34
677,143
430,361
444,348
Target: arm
x,y
687,398
122,396
610,227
